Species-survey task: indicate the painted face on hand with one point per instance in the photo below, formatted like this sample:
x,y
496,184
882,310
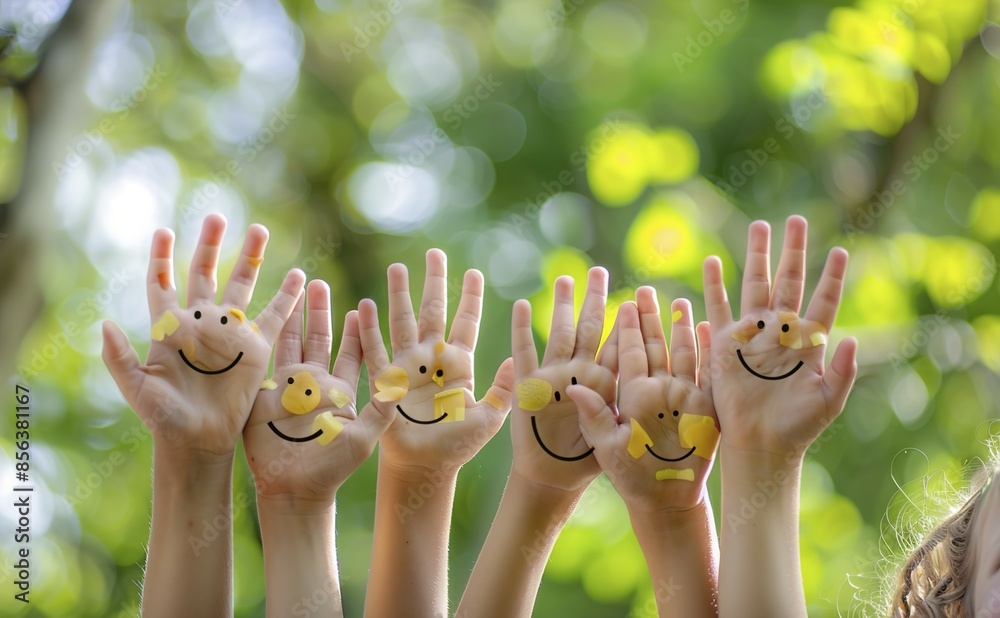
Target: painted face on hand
x,y
394,383
697,434
533,395
301,395
208,317
795,334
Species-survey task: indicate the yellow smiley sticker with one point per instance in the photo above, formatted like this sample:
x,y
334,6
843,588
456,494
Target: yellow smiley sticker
x,y
302,394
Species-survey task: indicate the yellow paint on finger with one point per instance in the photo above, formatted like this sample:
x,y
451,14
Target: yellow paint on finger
x,y
676,316
494,401
329,424
239,315
670,474
700,432
268,385
439,348
164,327
302,394
637,443
533,394
817,338
255,261
452,403
339,397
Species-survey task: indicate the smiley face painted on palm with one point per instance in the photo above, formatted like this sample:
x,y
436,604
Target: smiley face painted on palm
x,y
534,395
425,380
302,394
769,335
678,437
210,323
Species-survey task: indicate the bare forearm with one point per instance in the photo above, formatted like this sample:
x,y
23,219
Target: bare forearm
x,y
509,570
409,570
760,536
682,554
190,560
300,557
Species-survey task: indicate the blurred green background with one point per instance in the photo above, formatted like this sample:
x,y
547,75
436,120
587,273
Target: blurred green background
x,y
529,139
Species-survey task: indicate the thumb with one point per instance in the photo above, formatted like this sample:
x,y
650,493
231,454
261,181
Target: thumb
x,y
497,400
597,421
839,375
122,361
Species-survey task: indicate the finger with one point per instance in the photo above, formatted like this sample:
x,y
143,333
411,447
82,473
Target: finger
x,y
122,361
757,272
597,421
272,319
562,333
434,302
704,334
201,278
239,290
652,329
826,299
160,291
839,376
288,347
716,301
522,340
632,351
608,356
497,400
319,325
402,323
683,353
370,425
376,358
465,328
347,365
789,281
590,326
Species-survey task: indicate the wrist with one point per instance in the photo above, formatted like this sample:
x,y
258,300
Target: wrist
x,y
755,464
419,474
669,519
541,496
292,506
191,475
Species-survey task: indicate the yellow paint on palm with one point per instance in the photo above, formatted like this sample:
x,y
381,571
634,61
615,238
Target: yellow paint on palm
x,y
700,432
392,384
452,403
795,332
268,385
329,424
164,327
302,394
238,314
670,474
745,332
637,443
339,397
533,394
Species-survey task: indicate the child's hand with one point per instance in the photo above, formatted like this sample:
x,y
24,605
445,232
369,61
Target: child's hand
x,y
659,450
429,384
771,391
206,362
304,436
549,448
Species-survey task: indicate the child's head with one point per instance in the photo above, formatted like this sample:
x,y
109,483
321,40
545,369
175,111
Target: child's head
x,y
955,571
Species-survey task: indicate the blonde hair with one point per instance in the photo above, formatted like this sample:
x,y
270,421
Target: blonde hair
x,y
935,578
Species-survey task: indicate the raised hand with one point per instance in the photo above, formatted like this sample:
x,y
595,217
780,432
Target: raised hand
x,y
428,385
772,391
660,448
304,436
549,448
206,361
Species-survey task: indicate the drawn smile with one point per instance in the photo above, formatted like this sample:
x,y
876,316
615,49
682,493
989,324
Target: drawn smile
x,y
681,458
413,420
538,438
762,376
283,436
210,373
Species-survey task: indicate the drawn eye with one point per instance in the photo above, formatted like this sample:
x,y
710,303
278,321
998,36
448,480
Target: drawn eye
x,y
784,328
676,413
760,324
573,380
224,319
557,396
291,380
197,315
660,414
423,369
308,392
440,373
